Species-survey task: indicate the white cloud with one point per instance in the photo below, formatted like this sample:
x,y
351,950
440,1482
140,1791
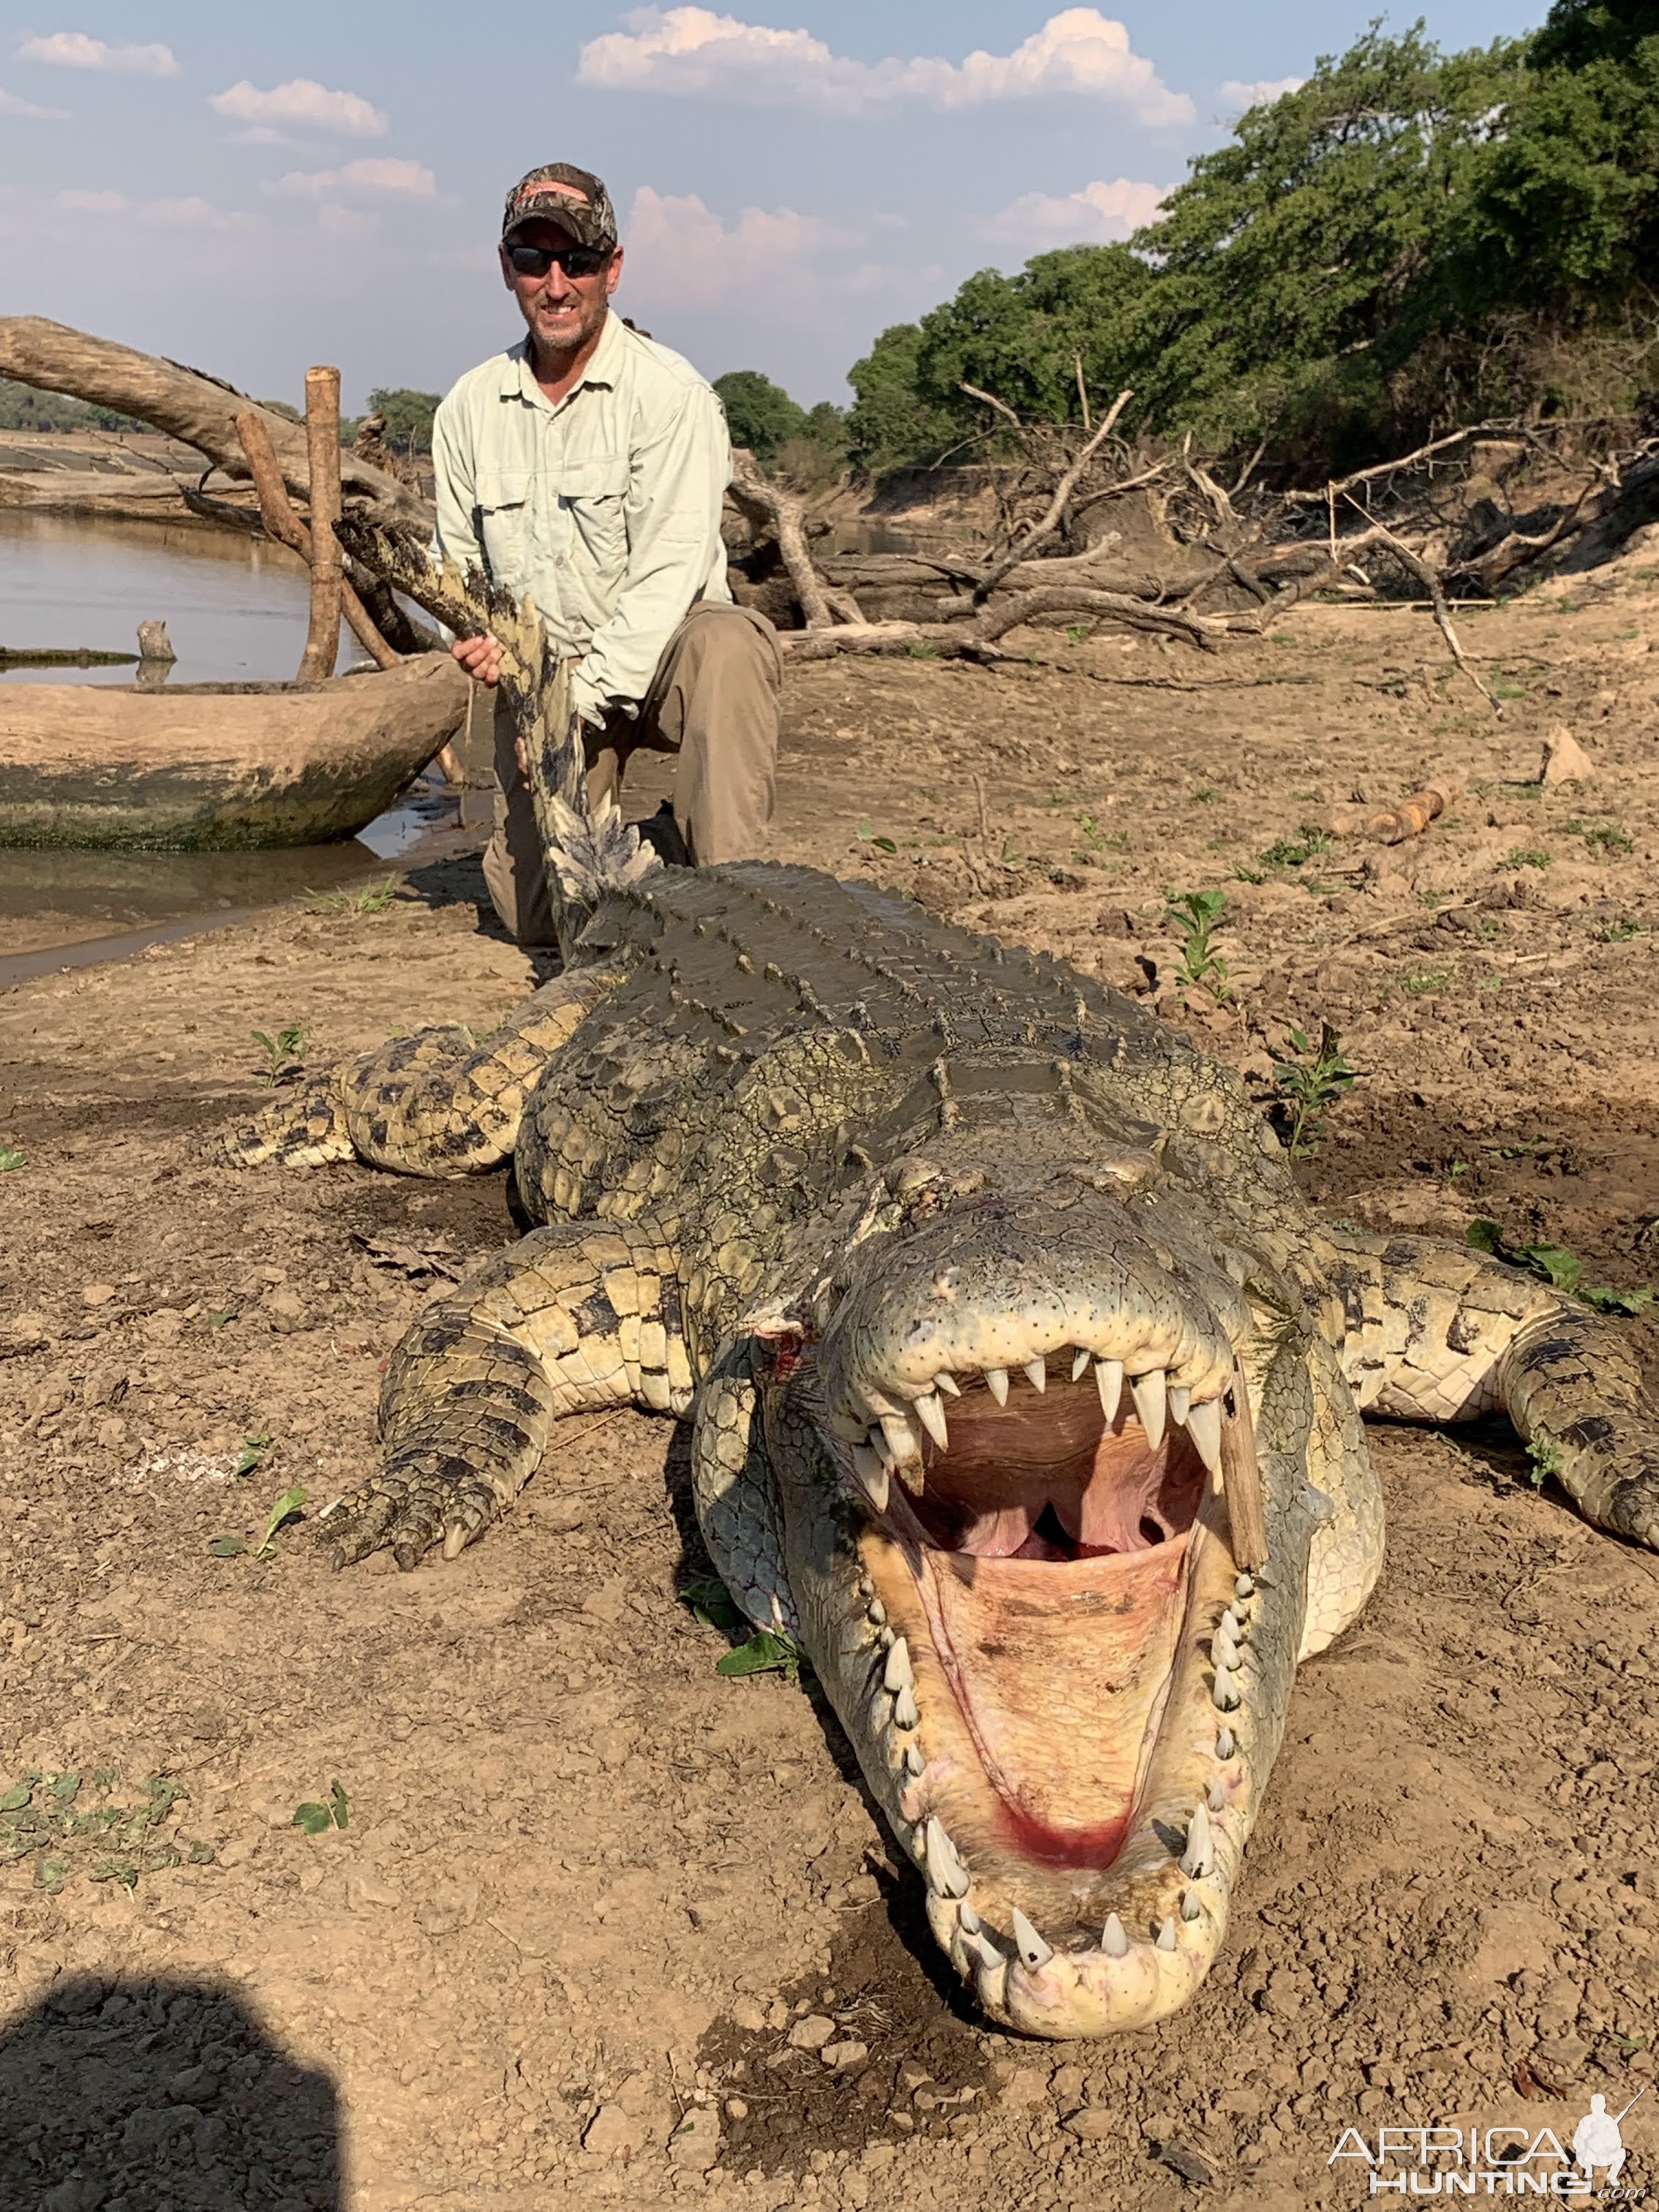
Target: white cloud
x,y
346,222
302,100
413,179
681,253
191,213
1097,213
74,50
693,52
1261,92
11,105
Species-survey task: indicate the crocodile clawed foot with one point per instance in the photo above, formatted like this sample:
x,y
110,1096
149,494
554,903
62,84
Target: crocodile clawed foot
x,y
409,1515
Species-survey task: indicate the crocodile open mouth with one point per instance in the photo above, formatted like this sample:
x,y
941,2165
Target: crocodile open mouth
x,y
1055,1671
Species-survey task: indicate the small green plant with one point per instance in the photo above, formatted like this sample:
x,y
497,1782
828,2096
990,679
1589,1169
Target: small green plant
x,y
368,898
11,1157
1606,838
1420,981
1619,932
1296,852
1544,1455
1195,917
924,649
766,1651
1104,840
55,1819
1310,1083
1207,795
1562,1269
1076,632
254,1450
316,1819
284,1053
868,836
286,1509
1529,856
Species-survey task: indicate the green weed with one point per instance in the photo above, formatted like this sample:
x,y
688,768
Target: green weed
x,y
1105,841
316,1819
1296,852
1529,856
254,1450
868,836
54,1818
11,1157
1619,932
1420,981
1207,795
1545,1455
1604,837
1310,1083
765,1651
284,1053
1561,1268
370,898
1194,916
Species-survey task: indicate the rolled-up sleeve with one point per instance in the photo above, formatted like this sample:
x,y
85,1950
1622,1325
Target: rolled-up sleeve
x,y
677,482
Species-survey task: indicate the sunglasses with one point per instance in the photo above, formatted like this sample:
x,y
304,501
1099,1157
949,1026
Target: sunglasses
x,y
575,260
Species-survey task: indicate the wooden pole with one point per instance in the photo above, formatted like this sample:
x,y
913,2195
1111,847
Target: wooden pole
x,y
282,523
323,455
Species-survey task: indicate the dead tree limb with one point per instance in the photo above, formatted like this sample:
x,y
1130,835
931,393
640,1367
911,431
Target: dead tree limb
x,y
786,516
186,403
1056,508
322,452
978,641
991,400
282,524
1430,582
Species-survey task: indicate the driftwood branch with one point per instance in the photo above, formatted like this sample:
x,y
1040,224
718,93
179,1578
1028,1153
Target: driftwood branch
x,y
1430,582
1055,510
282,524
188,404
785,514
322,452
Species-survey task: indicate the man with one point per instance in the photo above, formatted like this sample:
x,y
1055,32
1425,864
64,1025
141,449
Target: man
x,y
585,466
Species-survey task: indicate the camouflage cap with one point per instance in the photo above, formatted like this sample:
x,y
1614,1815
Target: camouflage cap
x,y
538,196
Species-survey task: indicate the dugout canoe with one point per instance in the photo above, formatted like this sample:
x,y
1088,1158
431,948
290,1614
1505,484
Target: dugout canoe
x,y
218,767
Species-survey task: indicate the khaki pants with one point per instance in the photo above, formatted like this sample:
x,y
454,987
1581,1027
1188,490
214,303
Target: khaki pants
x,y
715,700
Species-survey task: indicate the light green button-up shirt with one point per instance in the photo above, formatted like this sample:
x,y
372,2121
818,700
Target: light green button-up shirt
x,y
605,507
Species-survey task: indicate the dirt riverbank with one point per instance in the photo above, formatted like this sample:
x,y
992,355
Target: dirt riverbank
x,y
585,1883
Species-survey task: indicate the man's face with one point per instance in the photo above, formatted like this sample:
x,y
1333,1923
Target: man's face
x,y
561,312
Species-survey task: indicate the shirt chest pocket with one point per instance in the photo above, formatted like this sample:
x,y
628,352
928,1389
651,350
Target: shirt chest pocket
x,y
593,497
503,509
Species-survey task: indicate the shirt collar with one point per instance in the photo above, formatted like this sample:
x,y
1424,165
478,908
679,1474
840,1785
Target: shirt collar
x,y
604,367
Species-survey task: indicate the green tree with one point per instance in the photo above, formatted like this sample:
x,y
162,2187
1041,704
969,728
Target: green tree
x,y
408,417
760,414
890,423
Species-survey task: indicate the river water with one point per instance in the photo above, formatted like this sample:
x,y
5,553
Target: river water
x,y
236,611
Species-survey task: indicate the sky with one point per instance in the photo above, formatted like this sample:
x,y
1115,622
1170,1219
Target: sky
x,y
255,191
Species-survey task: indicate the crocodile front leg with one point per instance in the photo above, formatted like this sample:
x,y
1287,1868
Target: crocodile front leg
x,y
438,1104
1439,1334
576,1316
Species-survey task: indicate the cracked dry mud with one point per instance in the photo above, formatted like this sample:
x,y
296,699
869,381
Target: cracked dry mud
x,y
598,1914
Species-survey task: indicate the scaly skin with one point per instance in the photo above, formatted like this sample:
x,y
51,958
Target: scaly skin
x,y
802,1152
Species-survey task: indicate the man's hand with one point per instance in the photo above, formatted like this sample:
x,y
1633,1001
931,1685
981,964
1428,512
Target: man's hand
x,y
481,657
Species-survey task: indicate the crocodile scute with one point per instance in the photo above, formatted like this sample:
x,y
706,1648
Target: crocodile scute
x,y
1025,1386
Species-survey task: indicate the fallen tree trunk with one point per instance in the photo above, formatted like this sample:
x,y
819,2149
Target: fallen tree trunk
x,y
188,404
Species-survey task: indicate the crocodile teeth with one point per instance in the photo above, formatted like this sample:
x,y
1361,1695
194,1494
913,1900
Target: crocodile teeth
x,y
1181,1399
930,1414
1113,1941
1036,1372
901,1439
876,1613
1166,1935
872,1471
1078,1365
1217,1798
996,1382
906,1713
1225,1694
1190,1907
968,1919
1204,1427
946,1381
980,1947
1108,1381
1199,1854
1151,1403
946,1872
1033,1951
1244,1586
897,1673
1225,1744
1224,1653
1230,1626
914,1763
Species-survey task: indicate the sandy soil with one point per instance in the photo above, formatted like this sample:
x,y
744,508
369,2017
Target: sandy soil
x,y
587,1885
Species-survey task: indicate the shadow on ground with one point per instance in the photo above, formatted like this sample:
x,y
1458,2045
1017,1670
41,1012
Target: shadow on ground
x,y
137,2095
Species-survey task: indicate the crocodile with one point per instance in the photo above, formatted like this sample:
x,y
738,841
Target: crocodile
x,y
1025,1386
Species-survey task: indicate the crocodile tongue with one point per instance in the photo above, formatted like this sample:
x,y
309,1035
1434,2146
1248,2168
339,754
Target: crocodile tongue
x,y
1058,1674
